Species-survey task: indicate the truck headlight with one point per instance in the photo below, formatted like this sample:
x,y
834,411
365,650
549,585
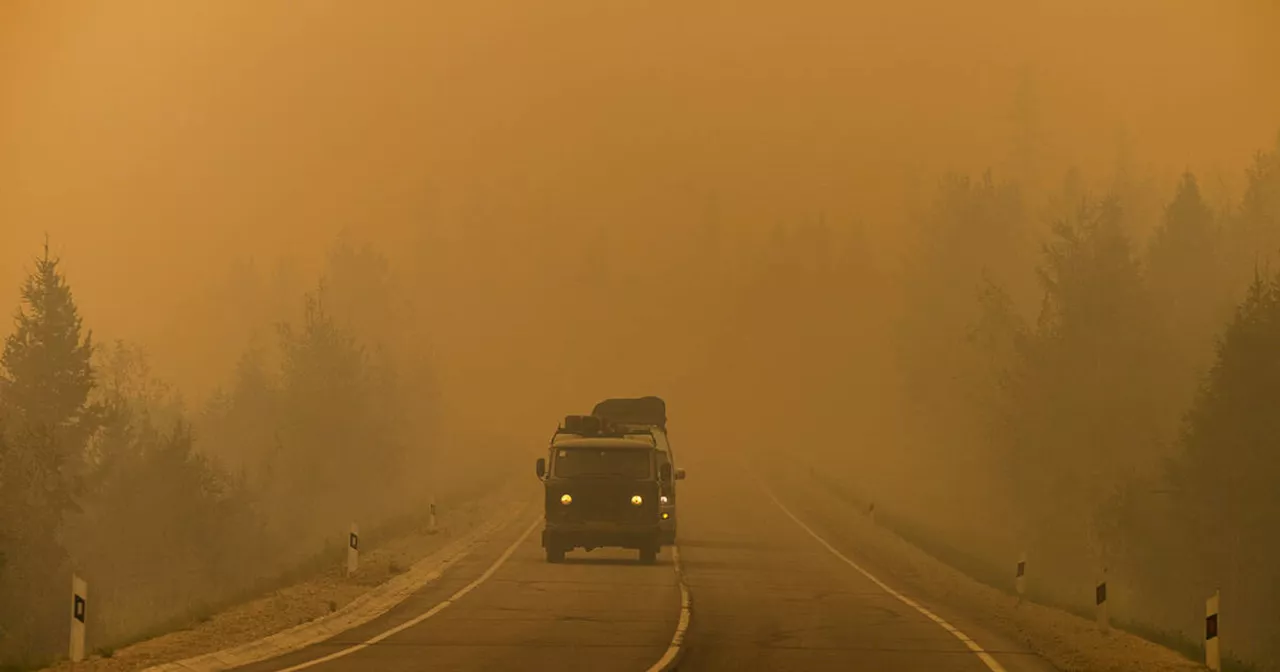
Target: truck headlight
x,y
663,499
637,500
566,499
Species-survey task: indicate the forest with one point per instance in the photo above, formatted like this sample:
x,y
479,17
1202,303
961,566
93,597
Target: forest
x,y
1085,372
168,511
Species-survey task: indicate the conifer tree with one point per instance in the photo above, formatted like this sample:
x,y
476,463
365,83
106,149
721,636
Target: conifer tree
x,y
1255,230
46,375
1086,401
970,241
1188,278
47,364
1224,479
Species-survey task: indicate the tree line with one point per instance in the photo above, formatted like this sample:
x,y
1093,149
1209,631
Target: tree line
x,y
1087,372
1119,414
167,510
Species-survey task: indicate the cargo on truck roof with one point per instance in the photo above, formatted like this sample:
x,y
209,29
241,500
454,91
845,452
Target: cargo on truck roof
x,y
649,410
593,426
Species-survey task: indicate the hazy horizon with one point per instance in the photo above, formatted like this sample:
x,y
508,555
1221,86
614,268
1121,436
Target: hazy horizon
x,y
172,142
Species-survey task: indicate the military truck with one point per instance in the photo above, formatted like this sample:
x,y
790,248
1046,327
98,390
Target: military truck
x,y
648,416
602,490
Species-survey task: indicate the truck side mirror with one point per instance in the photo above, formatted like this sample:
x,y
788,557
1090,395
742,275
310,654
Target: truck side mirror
x,y
679,474
541,467
664,472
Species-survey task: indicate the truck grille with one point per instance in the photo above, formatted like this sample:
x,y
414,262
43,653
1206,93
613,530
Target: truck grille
x,y
601,503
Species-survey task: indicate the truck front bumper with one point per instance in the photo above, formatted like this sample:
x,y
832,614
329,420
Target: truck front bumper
x,y
601,535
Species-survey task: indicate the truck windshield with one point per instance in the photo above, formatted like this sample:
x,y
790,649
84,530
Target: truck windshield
x,y
594,462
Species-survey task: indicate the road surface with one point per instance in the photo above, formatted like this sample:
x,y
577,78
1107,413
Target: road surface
x,y
770,591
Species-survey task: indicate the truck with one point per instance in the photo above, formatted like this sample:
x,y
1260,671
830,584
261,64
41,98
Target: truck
x,y
602,488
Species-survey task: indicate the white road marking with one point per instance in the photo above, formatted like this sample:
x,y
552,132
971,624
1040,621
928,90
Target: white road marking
x,y
985,657
425,615
677,640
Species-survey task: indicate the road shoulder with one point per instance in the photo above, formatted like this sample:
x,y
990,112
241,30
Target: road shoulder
x,y
323,604
1065,641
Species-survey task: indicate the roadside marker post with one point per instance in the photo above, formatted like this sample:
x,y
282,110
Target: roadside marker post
x,y
1212,645
353,550
431,522
872,513
1020,577
79,612
1100,597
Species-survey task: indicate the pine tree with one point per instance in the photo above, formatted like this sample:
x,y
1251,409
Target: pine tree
x,y
1188,277
995,337
338,450
1255,234
46,376
972,237
1224,479
46,368
1184,246
239,424
1088,397
974,231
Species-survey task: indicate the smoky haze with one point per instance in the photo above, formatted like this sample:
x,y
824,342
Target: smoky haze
x,y
736,206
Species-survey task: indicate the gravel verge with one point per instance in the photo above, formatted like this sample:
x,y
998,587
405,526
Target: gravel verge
x,y
324,592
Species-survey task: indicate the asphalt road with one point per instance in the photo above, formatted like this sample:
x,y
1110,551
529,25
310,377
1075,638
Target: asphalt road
x,y
597,611
769,592
772,592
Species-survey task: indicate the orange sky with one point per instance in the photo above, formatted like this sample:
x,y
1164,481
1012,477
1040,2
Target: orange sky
x,y
157,141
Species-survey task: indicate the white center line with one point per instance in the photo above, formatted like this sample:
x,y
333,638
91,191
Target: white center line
x,y
677,640
985,657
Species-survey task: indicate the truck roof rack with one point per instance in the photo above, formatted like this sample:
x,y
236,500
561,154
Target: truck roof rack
x,y
594,425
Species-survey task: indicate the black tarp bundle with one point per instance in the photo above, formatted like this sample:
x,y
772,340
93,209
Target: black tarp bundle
x,y
641,411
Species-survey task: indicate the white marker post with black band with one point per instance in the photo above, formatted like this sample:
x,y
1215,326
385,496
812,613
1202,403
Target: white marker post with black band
x,y
353,550
1100,597
1212,646
79,612
431,522
1020,578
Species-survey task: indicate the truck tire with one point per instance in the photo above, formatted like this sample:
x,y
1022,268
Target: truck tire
x,y
555,554
649,555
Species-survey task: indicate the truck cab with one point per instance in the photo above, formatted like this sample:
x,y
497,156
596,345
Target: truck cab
x,y
602,490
